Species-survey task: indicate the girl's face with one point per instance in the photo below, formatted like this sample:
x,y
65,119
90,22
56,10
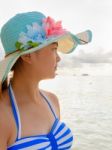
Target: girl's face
x,y
44,62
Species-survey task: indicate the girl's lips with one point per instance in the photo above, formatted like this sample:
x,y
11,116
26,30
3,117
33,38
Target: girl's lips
x,y
55,67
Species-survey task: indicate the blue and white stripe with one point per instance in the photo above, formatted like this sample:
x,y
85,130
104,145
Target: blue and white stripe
x,y
59,138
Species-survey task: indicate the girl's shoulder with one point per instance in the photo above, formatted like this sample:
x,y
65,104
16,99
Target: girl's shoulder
x,y
53,99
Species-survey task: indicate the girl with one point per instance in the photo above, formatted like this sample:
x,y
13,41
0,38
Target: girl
x,y
30,116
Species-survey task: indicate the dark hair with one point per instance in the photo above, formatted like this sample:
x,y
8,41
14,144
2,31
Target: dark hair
x,y
3,86
17,62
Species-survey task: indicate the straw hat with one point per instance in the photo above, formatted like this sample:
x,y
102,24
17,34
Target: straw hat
x,y
28,32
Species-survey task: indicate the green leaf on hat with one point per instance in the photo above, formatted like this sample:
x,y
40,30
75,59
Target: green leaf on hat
x,y
19,45
33,44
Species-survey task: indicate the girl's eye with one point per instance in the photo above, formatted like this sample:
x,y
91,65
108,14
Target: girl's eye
x,y
54,49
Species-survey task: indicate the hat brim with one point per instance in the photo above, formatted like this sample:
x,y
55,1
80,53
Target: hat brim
x,y
66,44
6,65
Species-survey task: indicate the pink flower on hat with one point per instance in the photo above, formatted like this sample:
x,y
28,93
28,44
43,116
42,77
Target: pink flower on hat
x,y
52,28
37,34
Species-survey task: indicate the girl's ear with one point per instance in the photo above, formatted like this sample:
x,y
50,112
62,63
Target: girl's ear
x,y
26,58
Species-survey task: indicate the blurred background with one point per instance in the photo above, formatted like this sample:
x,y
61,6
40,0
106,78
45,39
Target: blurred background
x,y
84,78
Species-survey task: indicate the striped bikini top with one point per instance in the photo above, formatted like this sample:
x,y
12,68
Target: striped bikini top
x,y
59,137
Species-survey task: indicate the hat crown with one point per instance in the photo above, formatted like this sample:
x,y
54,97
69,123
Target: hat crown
x,y
17,24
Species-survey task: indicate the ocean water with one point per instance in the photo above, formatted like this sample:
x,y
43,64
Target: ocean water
x,y
85,97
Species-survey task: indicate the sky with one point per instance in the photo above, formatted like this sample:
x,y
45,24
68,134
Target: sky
x,y
76,16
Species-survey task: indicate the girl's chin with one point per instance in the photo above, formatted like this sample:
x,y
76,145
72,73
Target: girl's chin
x,y
54,75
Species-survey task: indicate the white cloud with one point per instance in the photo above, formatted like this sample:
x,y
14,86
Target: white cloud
x,y
98,56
